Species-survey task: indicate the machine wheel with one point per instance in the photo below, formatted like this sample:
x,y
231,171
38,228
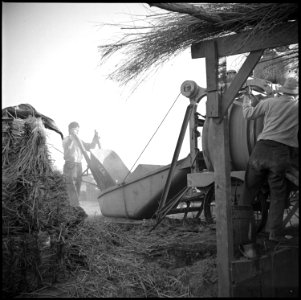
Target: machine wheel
x,y
236,189
291,214
261,209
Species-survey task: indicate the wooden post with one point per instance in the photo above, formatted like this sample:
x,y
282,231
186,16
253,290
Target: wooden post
x,y
193,139
239,80
221,166
175,156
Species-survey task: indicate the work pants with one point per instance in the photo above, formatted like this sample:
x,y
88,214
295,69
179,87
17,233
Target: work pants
x,y
73,177
269,162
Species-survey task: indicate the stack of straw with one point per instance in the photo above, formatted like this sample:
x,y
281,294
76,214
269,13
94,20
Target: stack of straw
x,y
37,218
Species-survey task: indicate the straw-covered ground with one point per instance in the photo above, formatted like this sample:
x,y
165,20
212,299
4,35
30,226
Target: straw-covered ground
x,y
127,259
51,249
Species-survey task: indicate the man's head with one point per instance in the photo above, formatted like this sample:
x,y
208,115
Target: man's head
x,y
231,72
230,75
290,87
73,127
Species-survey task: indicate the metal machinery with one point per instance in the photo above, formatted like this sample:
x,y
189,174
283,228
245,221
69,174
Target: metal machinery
x,y
242,138
192,186
187,186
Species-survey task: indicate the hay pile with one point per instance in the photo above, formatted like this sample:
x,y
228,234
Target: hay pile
x,y
157,38
49,249
127,260
37,219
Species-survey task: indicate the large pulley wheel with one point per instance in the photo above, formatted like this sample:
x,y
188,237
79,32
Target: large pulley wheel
x,y
242,133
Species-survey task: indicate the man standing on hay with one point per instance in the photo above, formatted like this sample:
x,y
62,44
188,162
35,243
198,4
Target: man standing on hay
x,y
274,149
73,157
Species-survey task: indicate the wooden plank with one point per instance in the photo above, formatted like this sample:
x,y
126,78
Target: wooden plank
x,y
224,229
246,42
221,165
206,178
200,179
239,80
261,276
193,138
175,156
212,104
183,210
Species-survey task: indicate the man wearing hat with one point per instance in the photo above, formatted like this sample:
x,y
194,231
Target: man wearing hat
x,y
230,75
73,166
271,155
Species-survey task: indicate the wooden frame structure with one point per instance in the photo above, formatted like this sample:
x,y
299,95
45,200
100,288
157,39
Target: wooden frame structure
x,y
217,107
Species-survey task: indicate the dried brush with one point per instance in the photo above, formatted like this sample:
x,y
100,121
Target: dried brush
x,y
160,37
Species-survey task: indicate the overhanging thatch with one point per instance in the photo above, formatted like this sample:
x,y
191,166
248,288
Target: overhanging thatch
x,y
162,36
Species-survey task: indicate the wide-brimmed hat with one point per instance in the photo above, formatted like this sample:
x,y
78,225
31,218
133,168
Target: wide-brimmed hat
x,y
290,86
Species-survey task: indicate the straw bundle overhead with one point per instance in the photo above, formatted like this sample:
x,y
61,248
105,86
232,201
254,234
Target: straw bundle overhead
x,y
36,215
158,37
278,64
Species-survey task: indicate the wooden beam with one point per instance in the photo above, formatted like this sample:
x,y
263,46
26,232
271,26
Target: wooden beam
x,y
240,78
248,41
221,165
266,267
212,104
167,185
193,139
223,206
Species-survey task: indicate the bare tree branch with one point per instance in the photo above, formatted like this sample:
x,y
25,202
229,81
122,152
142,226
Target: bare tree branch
x,y
185,8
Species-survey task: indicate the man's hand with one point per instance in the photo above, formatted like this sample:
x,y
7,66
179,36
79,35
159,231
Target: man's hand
x,y
247,100
96,138
96,134
246,96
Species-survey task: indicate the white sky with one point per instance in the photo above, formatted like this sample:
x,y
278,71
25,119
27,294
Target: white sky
x,y
50,60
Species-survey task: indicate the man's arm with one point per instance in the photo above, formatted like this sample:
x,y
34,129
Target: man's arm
x,y
250,112
93,144
67,142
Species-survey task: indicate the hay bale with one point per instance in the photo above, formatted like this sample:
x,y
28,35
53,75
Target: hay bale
x,y
37,218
